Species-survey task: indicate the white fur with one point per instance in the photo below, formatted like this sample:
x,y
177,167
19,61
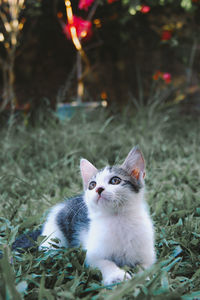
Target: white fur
x,y
51,229
120,231
124,233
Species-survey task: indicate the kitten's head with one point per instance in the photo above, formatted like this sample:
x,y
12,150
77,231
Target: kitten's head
x,y
111,188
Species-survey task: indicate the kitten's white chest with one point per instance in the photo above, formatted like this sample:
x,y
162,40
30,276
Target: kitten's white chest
x,y
120,239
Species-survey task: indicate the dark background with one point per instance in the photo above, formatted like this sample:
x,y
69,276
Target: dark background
x,y
124,53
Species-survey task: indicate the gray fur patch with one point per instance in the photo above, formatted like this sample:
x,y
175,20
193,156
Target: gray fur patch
x,y
73,219
128,181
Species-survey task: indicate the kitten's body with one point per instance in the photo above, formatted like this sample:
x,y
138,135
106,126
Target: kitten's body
x,y
66,222
110,220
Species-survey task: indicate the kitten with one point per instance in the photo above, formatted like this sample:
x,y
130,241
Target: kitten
x,y
110,220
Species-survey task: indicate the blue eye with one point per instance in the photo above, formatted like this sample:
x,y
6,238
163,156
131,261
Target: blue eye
x,y
92,185
115,180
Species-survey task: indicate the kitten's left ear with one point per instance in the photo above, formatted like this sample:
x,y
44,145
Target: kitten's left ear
x,y
87,171
134,163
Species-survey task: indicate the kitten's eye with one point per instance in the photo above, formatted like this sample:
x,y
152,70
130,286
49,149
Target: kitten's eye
x,y
92,185
115,180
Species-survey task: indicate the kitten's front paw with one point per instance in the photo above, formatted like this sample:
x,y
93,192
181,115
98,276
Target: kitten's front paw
x,y
115,277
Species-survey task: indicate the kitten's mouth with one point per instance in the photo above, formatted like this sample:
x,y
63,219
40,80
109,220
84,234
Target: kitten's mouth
x,y
100,197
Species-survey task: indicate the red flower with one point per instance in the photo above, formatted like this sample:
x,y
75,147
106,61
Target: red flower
x,y
164,76
84,4
166,35
157,75
145,9
167,77
111,1
83,28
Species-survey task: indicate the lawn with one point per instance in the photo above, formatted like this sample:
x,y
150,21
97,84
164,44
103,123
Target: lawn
x,y
39,166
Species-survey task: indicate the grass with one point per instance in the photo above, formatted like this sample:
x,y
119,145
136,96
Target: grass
x,y
40,166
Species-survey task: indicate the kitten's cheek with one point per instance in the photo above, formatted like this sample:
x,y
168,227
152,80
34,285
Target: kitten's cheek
x,y
96,198
92,198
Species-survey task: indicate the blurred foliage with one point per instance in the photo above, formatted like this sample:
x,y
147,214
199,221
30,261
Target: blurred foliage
x,y
33,8
128,44
40,166
188,5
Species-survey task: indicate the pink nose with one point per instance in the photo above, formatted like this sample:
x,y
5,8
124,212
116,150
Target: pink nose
x,y
99,190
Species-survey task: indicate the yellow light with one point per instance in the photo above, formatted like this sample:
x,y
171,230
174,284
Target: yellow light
x,y
15,23
138,7
97,23
75,39
132,11
21,2
7,45
13,40
83,33
69,11
21,25
1,37
69,15
80,88
104,103
7,27
72,28
67,3
179,25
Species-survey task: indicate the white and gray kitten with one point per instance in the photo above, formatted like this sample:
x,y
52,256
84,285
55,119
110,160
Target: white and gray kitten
x,y
110,220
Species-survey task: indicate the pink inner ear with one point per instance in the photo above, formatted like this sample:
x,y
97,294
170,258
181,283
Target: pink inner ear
x,y
87,171
136,173
134,163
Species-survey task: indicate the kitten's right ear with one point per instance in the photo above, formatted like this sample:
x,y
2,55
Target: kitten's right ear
x,y
134,163
87,171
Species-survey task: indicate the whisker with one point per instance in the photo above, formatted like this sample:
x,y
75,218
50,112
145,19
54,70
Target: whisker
x,y
80,208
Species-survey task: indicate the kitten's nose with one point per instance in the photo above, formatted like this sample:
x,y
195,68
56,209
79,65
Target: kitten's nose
x,y
99,190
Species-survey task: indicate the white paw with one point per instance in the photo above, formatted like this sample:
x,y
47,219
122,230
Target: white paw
x,y
115,277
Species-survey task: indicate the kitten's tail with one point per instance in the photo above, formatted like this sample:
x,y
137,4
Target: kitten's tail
x,y
26,241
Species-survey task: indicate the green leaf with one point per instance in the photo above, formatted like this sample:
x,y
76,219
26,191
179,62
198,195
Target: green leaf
x,y
192,296
8,275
